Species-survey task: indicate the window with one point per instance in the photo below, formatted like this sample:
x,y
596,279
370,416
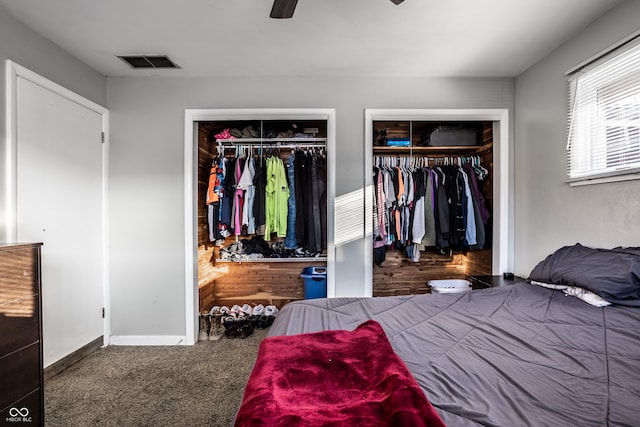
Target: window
x,y
604,116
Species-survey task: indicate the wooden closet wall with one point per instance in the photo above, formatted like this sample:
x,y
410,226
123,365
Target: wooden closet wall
x,y
258,282
398,275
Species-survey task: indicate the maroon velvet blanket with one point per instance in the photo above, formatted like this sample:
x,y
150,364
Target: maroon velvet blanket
x,y
333,378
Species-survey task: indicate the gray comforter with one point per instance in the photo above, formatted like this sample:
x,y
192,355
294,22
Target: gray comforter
x,y
518,355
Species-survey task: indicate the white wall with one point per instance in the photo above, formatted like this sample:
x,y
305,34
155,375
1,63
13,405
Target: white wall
x,y
27,48
146,179
549,213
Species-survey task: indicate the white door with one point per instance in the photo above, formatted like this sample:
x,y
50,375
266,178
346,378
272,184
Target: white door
x,y
59,203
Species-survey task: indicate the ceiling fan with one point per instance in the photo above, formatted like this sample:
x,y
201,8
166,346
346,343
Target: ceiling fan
x,y
283,9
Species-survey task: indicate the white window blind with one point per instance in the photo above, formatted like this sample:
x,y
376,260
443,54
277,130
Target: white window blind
x,y
604,116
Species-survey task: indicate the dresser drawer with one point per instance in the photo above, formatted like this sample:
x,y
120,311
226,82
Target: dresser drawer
x,y
19,374
19,324
18,274
26,411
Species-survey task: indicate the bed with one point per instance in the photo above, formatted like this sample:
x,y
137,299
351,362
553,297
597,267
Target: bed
x,y
529,354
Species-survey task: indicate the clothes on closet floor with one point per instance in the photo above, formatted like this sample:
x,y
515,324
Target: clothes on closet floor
x,y
258,195
416,208
257,248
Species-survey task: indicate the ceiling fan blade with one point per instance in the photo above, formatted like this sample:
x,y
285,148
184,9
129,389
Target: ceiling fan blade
x,y
397,2
283,9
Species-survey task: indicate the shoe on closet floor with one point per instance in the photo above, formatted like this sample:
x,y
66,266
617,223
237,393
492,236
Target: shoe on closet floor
x,y
231,332
245,330
253,320
261,322
216,331
237,327
258,310
246,309
228,322
235,310
216,334
205,324
264,321
271,310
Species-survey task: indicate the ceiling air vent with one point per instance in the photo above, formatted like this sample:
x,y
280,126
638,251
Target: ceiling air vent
x,y
148,61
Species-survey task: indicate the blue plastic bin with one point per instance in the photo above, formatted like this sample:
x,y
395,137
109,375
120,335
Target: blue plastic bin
x,y
315,282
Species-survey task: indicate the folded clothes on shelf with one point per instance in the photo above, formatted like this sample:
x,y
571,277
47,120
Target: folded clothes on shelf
x,y
398,142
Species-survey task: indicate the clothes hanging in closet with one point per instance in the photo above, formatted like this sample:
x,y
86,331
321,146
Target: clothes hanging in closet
x,y
258,195
420,207
291,240
260,183
277,197
215,194
311,200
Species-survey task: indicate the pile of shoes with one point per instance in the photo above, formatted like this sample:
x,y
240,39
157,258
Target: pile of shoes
x,y
240,321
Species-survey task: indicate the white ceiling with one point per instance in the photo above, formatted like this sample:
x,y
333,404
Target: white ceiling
x,y
467,38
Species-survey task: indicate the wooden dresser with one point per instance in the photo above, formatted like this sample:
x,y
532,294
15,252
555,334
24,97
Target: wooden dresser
x,y
21,373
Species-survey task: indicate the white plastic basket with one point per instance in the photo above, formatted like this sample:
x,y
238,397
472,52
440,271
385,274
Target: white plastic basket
x,y
449,286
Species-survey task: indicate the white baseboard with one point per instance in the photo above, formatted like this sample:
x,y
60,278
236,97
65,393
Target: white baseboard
x,y
147,340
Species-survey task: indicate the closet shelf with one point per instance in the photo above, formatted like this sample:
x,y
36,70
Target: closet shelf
x,y
270,260
417,150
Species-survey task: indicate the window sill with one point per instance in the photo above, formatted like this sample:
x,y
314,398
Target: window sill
x,y
604,180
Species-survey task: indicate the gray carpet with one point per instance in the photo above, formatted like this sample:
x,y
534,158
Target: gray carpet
x,y
154,386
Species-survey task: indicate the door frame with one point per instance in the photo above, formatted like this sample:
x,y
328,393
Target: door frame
x,y
191,119
502,249
12,72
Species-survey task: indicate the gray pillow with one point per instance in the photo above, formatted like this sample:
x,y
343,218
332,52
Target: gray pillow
x,y
613,274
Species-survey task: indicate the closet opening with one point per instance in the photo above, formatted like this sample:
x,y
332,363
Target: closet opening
x,y
250,170
438,202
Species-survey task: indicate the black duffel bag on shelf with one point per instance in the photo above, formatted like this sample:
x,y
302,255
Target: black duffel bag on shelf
x,y
454,136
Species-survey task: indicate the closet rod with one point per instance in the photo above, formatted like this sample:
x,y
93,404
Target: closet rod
x,y
425,157
268,146
268,141
423,161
